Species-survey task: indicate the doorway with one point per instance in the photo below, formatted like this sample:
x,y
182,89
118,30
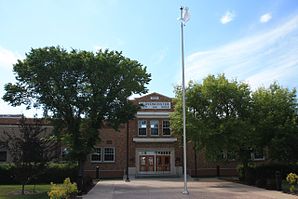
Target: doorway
x,y
163,163
147,163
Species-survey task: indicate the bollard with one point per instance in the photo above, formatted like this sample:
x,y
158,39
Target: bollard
x,y
278,180
217,171
97,172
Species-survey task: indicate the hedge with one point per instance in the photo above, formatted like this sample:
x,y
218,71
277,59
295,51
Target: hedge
x,y
54,172
6,174
265,175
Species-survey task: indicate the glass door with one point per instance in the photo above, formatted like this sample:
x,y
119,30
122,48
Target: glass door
x,y
163,163
146,163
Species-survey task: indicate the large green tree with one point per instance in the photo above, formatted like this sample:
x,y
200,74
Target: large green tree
x,y
79,90
275,117
218,117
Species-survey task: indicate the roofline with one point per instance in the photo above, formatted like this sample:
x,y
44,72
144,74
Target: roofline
x,y
152,94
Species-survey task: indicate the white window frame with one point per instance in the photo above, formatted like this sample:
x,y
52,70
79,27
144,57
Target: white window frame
x,y
257,159
96,153
166,128
151,121
104,153
140,125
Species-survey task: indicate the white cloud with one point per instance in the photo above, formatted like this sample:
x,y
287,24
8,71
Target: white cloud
x,y
265,18
8,58
228,17
259,59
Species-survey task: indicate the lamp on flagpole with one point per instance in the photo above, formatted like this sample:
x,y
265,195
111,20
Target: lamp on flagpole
x,y
184,18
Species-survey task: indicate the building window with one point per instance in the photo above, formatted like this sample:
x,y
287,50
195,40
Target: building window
x,y
154,127
227,155
3,156
109,155
96,156
166,127
258,155
142,127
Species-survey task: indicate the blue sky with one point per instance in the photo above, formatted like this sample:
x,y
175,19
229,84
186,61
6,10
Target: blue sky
x,y
254,41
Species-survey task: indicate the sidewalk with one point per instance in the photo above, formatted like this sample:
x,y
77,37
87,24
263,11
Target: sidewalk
x,y
172,189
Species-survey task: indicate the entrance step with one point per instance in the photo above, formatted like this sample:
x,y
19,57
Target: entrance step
x,y
157,176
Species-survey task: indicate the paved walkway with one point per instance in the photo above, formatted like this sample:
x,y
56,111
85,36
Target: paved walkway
x,y
172,189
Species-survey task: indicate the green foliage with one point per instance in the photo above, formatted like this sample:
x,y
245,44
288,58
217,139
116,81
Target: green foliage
x,y
75,85
57,172
226,117
217,117
7,173
65,191
261,175
54,172
78,90
292,179
275,118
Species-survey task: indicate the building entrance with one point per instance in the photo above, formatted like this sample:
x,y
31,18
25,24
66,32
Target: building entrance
x,y
155,162
163,163
147,163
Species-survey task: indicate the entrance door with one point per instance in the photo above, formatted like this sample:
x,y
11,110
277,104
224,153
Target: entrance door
x,y
163,163
146,163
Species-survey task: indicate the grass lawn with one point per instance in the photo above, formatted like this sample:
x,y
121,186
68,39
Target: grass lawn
x,y
9,191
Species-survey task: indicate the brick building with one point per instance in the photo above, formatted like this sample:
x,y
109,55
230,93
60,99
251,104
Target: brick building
x,y
152,149
146,146
11,125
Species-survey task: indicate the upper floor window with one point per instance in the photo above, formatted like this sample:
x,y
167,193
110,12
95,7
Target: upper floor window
x,y
166,127
142,124
154,127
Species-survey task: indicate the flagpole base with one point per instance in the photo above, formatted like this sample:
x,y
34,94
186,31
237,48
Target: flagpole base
x,y
185,192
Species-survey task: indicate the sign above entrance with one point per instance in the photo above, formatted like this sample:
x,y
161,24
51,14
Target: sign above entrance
x,y
155,105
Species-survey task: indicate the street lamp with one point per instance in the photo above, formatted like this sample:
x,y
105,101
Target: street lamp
x,y
184,18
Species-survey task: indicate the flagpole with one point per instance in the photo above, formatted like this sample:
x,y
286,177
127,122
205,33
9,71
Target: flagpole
x,y
185,191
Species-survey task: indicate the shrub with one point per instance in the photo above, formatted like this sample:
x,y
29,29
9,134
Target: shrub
x,y
266,175
7,174
67,190
57,172
247,175
54,172
292,179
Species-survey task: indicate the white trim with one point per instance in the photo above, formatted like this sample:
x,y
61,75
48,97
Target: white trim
x,y
95,153
103,153
142,128
165,128
153,114
148,140
172,159
151,121
155,105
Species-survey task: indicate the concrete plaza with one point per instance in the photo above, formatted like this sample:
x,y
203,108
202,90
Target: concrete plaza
x,y
172,189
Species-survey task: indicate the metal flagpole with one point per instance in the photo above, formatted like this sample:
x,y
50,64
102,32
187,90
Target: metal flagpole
x,y
184,19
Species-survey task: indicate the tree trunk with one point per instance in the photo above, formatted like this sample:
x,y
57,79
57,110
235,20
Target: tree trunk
x,y
80,180
196,164
23,188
